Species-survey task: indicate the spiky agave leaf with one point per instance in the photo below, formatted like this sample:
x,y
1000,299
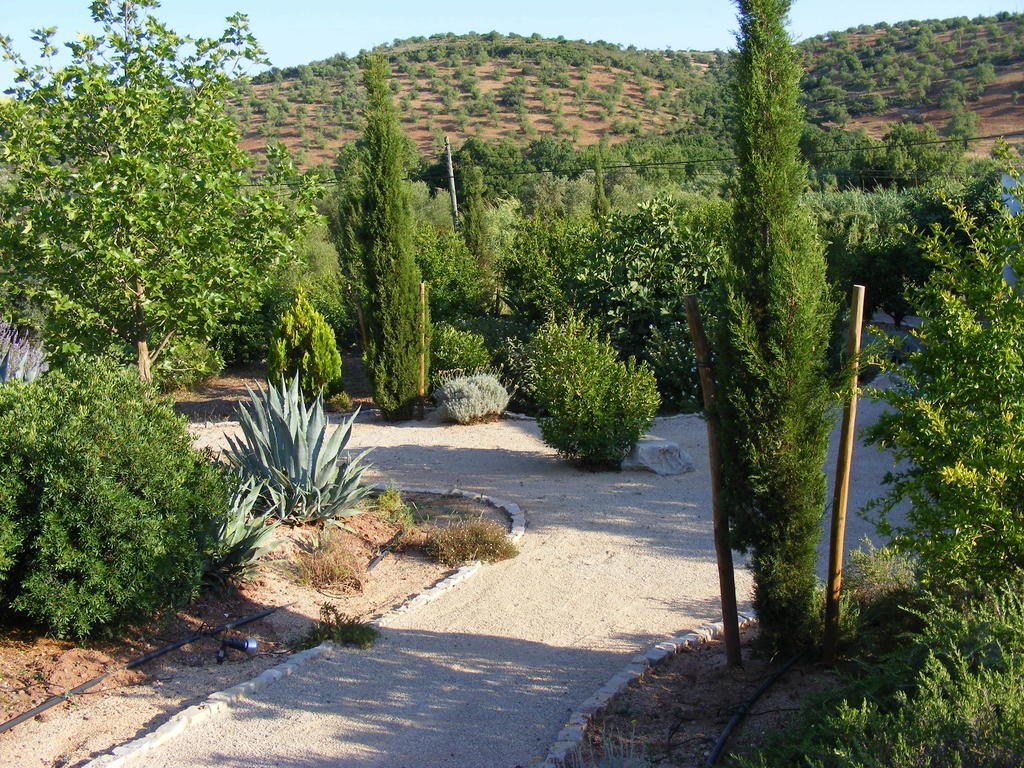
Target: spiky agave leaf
x,y
240,537
286,444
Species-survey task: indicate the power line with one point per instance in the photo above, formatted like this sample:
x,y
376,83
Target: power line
x,y
704,161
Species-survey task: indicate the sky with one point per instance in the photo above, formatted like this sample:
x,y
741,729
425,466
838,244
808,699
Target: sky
x,y
299,31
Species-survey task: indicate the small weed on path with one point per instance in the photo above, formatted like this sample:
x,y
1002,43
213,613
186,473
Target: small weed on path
x,y
339,629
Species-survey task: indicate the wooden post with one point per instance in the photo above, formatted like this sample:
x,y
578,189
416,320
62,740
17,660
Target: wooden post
x,y
723,550
423,348
840,494
451,183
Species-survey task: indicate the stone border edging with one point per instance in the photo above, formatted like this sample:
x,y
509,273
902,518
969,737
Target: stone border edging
x,y
572,735
219,702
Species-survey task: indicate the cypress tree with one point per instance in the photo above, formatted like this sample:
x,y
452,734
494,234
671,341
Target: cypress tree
x,y
392,278
773,335
474,230
600,207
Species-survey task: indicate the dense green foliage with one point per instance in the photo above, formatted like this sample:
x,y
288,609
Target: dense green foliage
x,y
772,339
393,318
594,406
957,424
304,346
633,282
456,350
127,221
104,504
949,699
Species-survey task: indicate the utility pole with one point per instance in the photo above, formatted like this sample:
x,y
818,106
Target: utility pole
x,y
451,183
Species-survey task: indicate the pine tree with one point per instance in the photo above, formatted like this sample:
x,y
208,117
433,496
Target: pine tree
x,y
773,334
393,324
304,343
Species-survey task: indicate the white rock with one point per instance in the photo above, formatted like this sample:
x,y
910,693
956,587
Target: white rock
x,y
659,456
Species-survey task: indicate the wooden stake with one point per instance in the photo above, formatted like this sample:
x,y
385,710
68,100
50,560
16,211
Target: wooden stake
x,y
723,551
840,495
423,348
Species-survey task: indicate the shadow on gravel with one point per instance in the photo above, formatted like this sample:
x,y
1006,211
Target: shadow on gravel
x,y
416,699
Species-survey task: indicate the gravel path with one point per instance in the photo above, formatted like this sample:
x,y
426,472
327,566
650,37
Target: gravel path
x,y
486,674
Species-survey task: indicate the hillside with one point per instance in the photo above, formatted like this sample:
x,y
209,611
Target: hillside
x,y
518,88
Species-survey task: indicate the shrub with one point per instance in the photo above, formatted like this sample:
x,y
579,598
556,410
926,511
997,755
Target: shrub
x,y
466,399
304,346
452,349
956,419
595,407
104,504
284,443
338,628
633,283
186,362
330,561
390,506
470,540
340,402
949,699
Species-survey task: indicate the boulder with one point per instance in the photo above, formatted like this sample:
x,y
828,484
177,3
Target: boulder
x,y
662,457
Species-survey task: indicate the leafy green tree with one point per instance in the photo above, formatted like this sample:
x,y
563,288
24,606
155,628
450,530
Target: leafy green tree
x,y
393,320
600,206
129,217
956,424
773,337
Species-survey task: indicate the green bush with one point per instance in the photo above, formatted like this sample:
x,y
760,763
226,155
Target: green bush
x,y
466,399
956,418
452,349
595,407
304,346
633,283
949,699
104,504
186,362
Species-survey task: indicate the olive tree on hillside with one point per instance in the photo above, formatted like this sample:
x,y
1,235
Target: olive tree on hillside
x,y
128,218
773,334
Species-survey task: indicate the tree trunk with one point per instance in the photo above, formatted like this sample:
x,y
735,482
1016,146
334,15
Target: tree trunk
x,y
142,332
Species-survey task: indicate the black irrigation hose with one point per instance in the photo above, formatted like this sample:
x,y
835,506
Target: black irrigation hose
x,y
130,665
741,713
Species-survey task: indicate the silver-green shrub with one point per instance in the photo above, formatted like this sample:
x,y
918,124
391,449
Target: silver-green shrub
x,y
285,444
470,398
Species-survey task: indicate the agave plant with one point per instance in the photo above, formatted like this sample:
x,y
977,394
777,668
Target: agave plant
x,y
285,444
21,359
240,538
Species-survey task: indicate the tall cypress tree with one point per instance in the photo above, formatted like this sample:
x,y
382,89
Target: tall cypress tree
x,y
599,207
393,321
474,229
775,320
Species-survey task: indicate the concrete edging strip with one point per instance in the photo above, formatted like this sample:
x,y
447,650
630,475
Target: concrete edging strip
x,y
572,735
218,703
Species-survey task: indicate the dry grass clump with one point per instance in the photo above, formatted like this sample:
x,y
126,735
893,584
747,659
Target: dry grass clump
x,y
331,560
470,540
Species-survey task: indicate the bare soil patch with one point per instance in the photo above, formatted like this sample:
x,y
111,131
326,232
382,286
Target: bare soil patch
x,y
130,703
675,713
217,398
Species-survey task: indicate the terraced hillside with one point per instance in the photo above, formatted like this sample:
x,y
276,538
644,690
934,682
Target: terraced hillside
x,y
960,75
